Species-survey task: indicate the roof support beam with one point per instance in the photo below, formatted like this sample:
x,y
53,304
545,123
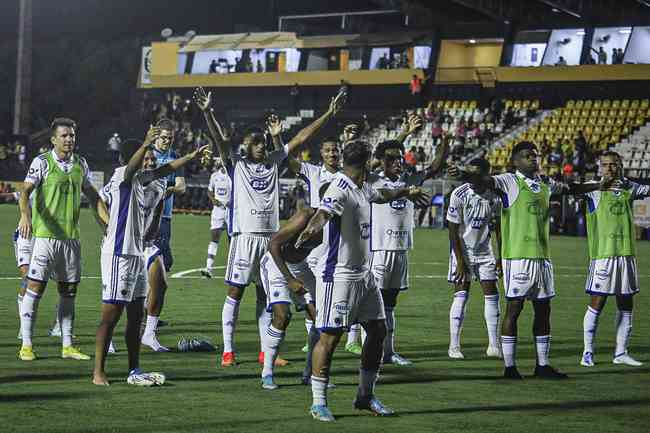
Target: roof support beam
x,y
564,7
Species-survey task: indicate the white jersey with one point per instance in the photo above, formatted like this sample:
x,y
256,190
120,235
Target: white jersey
x,y
473,213
220,185
255,201
346,236
392,223
153,194
126,203
315,176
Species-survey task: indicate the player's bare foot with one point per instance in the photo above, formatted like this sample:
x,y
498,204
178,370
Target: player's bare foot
x,y
100,379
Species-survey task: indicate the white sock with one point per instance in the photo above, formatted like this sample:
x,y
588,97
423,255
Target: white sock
x,y
28,310
456,317
66,319
623,331
543,347
363,336
389,341
589,327
314,336
308,324
19,300
213,247
367,379
229,316
491,314
152,325
509,349
271,344
263,323
319,390
353,334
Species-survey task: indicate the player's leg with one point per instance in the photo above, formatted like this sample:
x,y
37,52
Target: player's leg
x,y
134,314
370,313
514,306
320,376
213,248
21,292
395,281
352,343
235,287
275,332
165,239
457,308
625,304
313,336
66,312
110,315
491,312
155,301
589,328
542,334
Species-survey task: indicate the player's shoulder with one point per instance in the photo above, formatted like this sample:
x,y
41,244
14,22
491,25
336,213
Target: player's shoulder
x,y
462,191
341,181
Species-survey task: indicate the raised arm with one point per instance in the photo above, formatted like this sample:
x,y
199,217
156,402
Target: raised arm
x,y
203,101
464,175
438,162
412,193
135,163
409,126
176,164
25,224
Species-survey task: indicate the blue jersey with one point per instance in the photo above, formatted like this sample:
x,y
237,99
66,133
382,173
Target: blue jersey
x,y
163,158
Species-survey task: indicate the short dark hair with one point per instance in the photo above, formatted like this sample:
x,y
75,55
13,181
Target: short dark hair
x,y
128,148
382,147
356,153
165,124
612,153
521,146
481,163
330,139
62,121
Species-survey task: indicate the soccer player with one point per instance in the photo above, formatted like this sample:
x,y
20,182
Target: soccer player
x,y
164,153
612,270
392,232
472,208
343,295
56,179
219,195
124,275
285,286
525,256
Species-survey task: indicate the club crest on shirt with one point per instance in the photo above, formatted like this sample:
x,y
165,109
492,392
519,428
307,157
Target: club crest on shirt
x,y
534,187
398,204
259,184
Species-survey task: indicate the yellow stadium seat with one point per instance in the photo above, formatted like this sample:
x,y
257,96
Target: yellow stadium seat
x,y
525,103
620,121
632,113
585,112
645,103
597,104
473,104
580,103
616,103
535,104
570,104
625,103
606,103
508,103
463,105
610,121
635,103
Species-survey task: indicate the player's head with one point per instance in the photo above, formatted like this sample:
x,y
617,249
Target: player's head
x,y
330,152
127,149
255,144
63,134
524,157
391,155
166,137
611,165
218,163
356,154
477,169
149,162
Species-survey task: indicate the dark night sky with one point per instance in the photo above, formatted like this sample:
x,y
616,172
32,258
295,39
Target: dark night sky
x,y
113,18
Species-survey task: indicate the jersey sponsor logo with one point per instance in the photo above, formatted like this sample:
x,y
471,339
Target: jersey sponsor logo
x,y
534,187
478,222
534,207
261,212
365,230
222,191
617,236
259,184
342,307
521,277
398,234
242,264
398,204
617,208
601,274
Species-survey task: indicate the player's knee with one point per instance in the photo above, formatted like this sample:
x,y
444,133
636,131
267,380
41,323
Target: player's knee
x,y
390,297
235,292
376,329
281,318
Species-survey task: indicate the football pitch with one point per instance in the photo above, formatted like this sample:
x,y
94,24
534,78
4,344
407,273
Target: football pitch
x,y
434,394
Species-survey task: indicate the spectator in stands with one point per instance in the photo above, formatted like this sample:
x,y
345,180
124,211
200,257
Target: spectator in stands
x,y
239,65
410,157
114,147
580,153
20,151
621,56
43,149
383,62
591,60
4,156
213,66
567,170
295,98
556,156
602,56
260,67
614,56
561,62
416,90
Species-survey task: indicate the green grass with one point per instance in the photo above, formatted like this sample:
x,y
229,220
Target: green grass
x,y
435,394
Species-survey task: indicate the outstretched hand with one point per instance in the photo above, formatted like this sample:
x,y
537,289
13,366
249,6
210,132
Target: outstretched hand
x,y
296,286
337,102
419,197
152,135
454,171
412,124
204,151
274,125
202,99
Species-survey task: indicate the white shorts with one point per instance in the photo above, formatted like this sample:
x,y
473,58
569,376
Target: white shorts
x,y
55,259
528,278
303,272
246,251
23,249
124,278
341,304
150,254
219,218
482,271
612,276
275,286
390,269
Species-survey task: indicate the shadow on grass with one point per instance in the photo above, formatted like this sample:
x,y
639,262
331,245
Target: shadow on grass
x,y
17,398
42,377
